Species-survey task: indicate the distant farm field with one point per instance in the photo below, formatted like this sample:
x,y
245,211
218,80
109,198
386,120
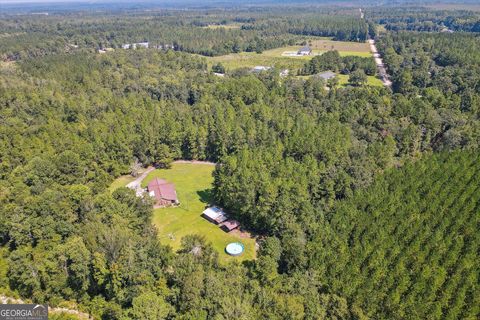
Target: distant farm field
x,y
193,183
280,58
342,46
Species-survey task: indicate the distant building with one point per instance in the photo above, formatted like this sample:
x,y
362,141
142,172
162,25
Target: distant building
x,y
215,215
326,75
260,68
105,50
446,30
135,45
305,51
163,192
141,45
284,73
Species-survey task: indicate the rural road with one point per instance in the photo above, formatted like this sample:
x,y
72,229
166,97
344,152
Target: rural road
x,y
382,72
379,62
137,183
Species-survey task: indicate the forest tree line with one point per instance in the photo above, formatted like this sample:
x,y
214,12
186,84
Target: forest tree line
x,y
32,36
424,19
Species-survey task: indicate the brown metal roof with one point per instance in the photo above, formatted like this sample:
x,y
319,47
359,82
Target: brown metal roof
x,y
231,224
162,189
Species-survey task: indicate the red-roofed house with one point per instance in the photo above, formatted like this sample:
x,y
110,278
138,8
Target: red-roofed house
x,y
163,192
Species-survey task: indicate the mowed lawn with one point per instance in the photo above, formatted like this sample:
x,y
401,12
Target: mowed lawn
x,y
122,181
276,57
193,183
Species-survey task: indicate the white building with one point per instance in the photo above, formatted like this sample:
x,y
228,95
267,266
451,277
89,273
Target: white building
x,y
215,215
260,68
305,51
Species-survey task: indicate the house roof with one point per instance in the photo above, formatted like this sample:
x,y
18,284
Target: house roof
x,y
327,75
162,190
305,49
261,68
231,224
215,213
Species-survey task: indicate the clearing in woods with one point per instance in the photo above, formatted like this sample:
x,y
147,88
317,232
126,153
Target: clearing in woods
x,y
280,58
193,183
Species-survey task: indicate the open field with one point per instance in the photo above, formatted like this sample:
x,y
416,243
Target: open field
x,y
122,181
250,59
354,48
278,58
193,183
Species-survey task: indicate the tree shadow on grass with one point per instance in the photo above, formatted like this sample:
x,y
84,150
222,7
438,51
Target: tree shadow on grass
x,y
206,196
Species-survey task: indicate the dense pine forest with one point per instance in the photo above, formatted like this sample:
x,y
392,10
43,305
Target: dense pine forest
x,y
423,19
364,198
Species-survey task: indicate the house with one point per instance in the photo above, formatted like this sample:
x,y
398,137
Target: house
x,y
326,75
135,45
163,192
141,45
230,225
260,68
104,50
305,51
284,73
215,215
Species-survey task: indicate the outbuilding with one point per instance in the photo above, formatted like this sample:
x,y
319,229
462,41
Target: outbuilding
x,y
258,69
230,225
326,75
215,215
305,51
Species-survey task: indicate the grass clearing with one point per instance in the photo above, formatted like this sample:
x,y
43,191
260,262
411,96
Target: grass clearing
x,y
122,181
277,58
193,183
341,46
